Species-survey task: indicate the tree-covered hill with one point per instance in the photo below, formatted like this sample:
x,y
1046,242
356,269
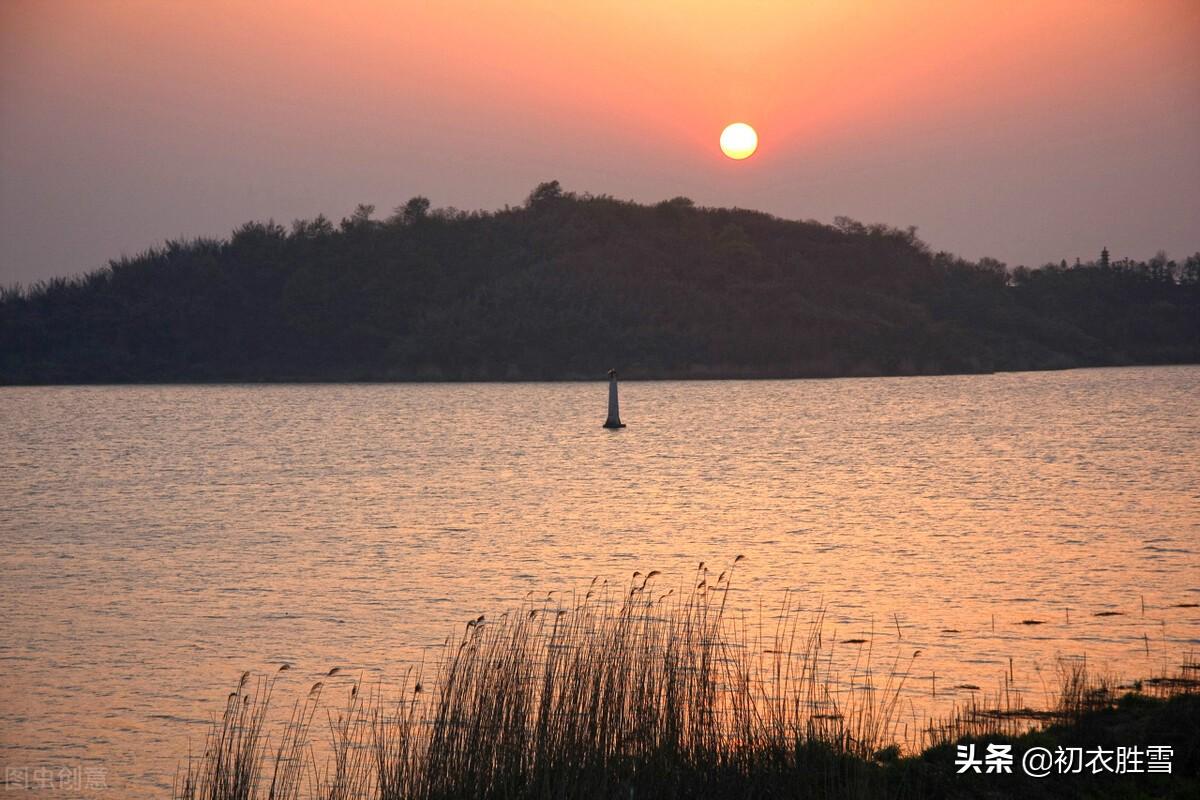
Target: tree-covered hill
x,y
566,286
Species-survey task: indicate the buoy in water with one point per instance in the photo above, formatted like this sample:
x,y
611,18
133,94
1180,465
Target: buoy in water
x,y
614,412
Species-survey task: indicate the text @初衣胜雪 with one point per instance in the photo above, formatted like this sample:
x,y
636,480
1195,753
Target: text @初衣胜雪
x,y
1039,762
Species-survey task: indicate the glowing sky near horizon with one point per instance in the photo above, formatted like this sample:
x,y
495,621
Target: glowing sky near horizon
x,y
1028,131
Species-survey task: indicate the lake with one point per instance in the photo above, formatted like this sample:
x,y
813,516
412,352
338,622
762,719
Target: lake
x,y
156,541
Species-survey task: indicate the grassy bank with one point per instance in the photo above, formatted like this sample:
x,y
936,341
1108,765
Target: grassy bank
x,y
646,692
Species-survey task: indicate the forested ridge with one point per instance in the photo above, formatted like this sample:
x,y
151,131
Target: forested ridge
x,y
565,286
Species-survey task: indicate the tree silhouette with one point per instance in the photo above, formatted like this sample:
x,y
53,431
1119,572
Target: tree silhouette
x,y
567,285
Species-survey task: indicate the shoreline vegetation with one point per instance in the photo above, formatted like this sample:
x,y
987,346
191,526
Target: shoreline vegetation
x,y
645,693
566,285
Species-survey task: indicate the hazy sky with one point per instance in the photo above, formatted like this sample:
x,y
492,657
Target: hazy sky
x,y
1028,131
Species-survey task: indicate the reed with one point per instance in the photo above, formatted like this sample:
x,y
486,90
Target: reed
x,y
633,692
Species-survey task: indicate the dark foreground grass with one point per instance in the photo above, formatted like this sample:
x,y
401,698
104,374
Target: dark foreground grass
x,y
655,694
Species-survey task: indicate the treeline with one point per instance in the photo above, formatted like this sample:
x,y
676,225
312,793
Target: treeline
x,y
568,285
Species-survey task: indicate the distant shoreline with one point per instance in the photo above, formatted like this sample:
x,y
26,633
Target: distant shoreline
x,y
600,378
569,285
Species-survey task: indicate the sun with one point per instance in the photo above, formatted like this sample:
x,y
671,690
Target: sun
x,y
739,141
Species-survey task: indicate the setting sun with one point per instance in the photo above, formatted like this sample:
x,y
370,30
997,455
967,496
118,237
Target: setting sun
x,y
739,141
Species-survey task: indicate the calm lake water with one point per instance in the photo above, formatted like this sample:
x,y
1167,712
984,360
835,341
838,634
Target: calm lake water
x,y
157,541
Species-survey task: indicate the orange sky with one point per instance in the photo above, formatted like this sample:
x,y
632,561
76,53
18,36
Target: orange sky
x,y
1025,130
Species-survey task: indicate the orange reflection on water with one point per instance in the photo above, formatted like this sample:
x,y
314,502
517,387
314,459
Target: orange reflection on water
x,y
158,541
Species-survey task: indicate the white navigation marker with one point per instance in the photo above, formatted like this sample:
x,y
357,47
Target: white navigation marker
x,y
614,412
